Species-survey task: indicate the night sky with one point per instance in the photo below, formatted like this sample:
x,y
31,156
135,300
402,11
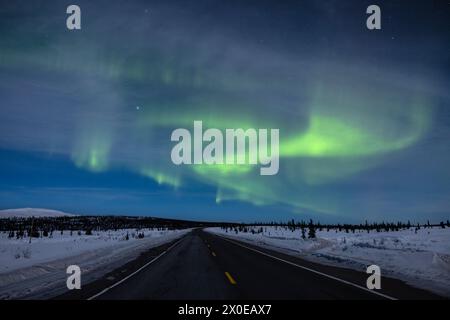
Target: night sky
x,y
86,115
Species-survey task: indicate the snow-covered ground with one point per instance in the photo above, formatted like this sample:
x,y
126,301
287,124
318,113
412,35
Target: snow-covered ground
x,y
32,212
421,259
31,269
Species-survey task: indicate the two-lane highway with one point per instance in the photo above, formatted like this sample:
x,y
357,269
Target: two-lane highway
x,y
186,271
205,266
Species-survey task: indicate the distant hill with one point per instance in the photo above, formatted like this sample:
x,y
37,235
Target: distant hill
x,y
32,212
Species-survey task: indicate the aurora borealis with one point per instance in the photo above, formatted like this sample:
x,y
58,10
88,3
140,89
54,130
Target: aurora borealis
x,y
86,116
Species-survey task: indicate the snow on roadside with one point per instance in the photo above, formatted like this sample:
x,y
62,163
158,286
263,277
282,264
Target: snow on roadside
x,y
421,259
38,269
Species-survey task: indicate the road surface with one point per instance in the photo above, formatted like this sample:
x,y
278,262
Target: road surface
x,y
206,266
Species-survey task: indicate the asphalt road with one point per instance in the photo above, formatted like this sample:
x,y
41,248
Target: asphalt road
x,y
206,266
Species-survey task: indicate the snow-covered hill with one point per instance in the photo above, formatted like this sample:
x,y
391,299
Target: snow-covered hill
x,y
31,212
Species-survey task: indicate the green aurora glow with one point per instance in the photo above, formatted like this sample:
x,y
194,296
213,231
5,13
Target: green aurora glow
x,y
337,119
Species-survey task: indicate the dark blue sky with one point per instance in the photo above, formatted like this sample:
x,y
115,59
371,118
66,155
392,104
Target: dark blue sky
x,y
86,115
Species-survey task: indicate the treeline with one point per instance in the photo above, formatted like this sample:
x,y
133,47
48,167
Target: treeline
x,y
308,229
46,226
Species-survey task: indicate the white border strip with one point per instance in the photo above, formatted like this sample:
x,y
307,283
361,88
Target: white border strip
x,y
308,269
138,270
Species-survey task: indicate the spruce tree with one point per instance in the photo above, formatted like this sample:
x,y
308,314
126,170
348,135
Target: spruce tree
x,y
312,230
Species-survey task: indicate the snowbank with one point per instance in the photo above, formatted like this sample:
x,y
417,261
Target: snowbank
x,y
38,269
421,259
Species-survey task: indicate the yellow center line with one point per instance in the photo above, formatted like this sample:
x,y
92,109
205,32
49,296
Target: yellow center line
x,y
230,278
213,253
